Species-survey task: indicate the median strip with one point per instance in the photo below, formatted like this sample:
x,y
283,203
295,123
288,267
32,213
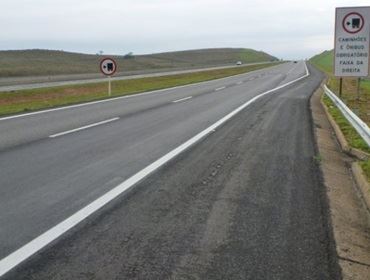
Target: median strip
x,y
83,127
26,101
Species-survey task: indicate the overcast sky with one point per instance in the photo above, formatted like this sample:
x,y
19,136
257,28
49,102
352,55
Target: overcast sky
x,y
289,29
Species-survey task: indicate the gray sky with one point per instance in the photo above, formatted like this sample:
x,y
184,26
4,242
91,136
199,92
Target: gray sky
x,y
284,28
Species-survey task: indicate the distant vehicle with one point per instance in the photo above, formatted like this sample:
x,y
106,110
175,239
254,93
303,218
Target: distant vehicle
x,y
295,61
239,63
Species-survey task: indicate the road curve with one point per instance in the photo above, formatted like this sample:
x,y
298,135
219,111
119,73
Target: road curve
x,y
244,203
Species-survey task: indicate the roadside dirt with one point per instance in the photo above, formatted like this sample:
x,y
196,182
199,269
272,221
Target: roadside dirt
x,y
349,216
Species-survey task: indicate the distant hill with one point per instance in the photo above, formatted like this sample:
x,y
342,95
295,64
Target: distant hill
x,y
50,62
324,61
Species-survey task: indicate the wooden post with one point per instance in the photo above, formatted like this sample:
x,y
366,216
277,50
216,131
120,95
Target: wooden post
x,y
358,89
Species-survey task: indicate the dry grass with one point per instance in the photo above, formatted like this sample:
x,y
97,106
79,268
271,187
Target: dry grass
x,y
36,99
47,62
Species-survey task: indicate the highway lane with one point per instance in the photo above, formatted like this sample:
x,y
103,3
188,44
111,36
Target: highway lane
x,y
53,178
37,126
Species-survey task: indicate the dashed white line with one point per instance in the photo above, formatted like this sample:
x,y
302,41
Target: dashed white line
x,y
182,99
32,247
220,88
239,83
83,127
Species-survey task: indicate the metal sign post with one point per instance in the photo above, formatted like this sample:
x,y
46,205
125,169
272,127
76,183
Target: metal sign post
x,y
108,67
109,86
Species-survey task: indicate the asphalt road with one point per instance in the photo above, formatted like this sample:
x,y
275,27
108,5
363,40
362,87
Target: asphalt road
x,y
22,83
246,202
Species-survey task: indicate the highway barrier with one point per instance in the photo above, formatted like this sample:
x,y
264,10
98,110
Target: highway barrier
x,y
359,125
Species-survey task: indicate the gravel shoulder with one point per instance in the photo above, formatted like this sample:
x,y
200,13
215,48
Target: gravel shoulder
x,y
348,213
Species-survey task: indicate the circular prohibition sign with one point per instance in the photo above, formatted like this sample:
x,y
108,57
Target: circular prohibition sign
x,y
108,66
353,23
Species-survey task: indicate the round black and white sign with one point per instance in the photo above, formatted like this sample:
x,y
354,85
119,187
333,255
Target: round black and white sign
x,y
108,66
353,22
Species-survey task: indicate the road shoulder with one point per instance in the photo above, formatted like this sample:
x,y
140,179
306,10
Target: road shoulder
x,y
349,216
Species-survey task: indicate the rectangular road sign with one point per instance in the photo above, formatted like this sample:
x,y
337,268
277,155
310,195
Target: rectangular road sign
x,y
352,34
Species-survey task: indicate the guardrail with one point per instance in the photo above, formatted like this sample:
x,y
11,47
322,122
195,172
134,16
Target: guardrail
x,y
360,126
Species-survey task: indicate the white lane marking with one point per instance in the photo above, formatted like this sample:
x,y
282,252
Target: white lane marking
x,y
239,83
220,88
83,127
305,66
182,99
130,96
23,253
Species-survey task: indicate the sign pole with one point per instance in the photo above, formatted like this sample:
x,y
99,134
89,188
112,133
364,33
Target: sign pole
x,y
109,86
358,88
340,86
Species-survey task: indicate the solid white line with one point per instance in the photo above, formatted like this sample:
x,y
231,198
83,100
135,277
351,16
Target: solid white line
x,y
220,88
129,96
305,66
83,127
182,99
52,234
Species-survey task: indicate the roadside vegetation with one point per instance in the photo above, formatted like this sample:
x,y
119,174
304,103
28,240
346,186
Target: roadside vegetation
x,y
43,98
361,105
21,63
358,104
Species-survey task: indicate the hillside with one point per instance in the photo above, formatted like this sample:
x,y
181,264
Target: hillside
x,y
49,62
324,61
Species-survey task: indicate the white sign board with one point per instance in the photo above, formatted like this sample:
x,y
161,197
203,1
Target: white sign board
x,y
108,66
352,32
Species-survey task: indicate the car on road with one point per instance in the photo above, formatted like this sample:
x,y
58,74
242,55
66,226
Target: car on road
x,y
239,63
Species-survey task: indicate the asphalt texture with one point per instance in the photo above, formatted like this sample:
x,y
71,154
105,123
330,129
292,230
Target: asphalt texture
x,y
247,202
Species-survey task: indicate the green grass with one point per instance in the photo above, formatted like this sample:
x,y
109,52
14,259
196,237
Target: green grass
x,y
365,165
351,135
324,61
318,159
50,62
361,107
36,99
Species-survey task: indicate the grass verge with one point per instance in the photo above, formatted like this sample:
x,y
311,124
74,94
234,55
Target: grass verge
x,y
351,135
365,165
359,104
37,99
